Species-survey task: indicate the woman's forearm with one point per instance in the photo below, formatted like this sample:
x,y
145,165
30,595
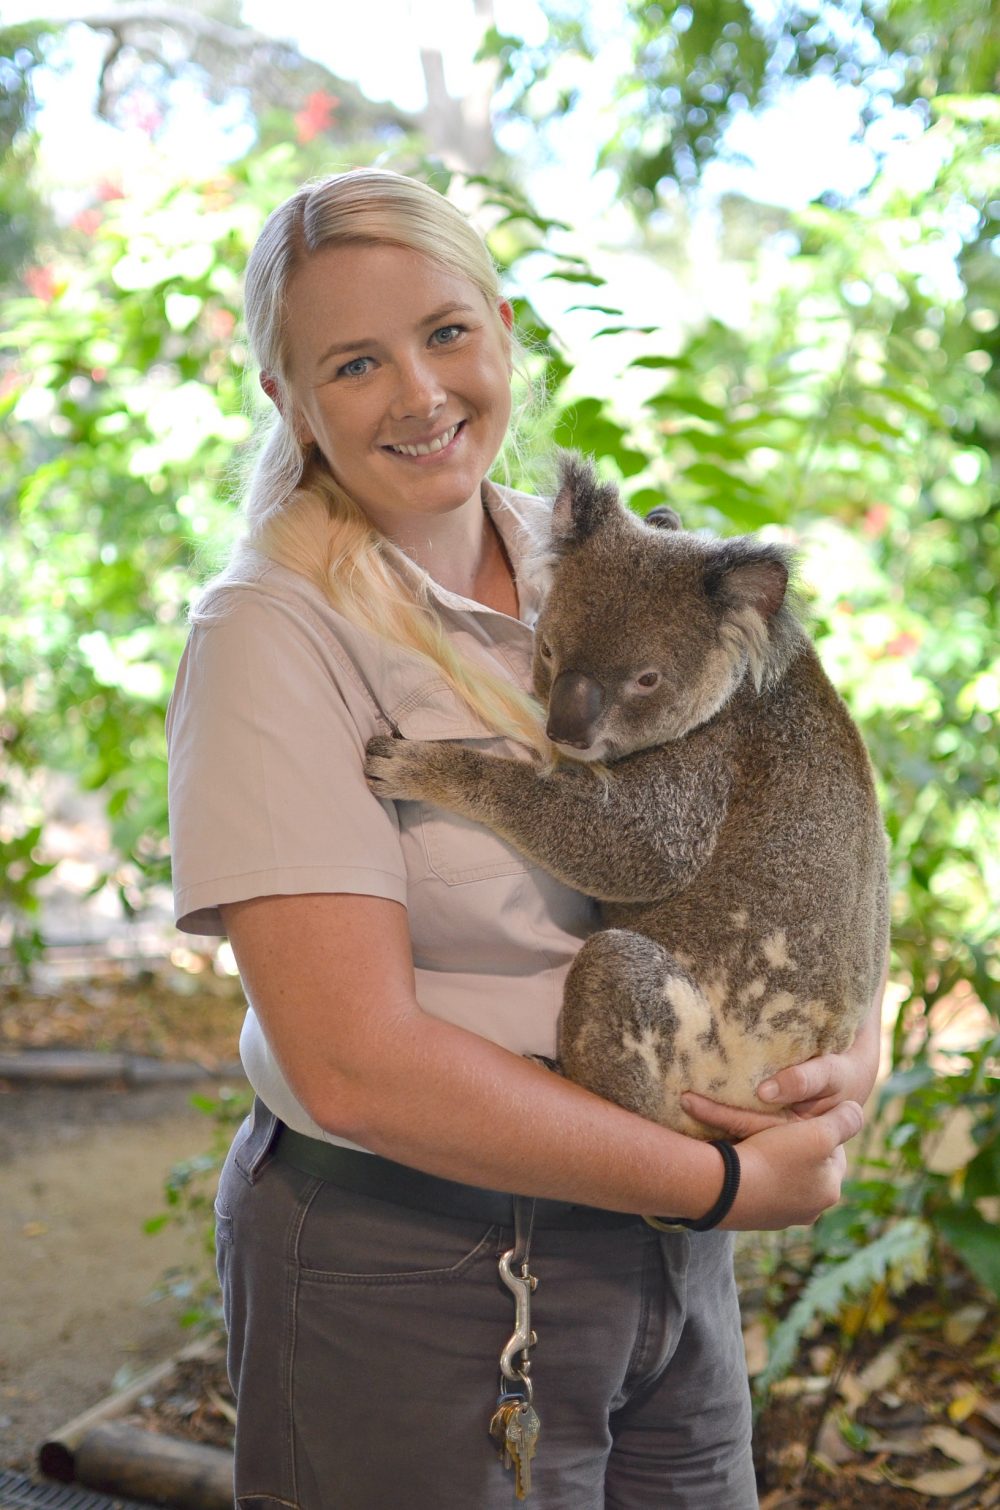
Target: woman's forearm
x,y
331,980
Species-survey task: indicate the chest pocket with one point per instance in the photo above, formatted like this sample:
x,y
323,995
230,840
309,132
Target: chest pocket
x,y
456,849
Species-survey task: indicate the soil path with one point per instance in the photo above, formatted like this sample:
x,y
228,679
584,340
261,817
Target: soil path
x,y
81,1170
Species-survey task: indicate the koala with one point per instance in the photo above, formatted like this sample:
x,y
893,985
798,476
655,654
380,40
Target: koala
x,y
713,795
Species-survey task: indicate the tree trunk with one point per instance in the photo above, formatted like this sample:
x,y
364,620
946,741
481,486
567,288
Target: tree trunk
x,y
460,131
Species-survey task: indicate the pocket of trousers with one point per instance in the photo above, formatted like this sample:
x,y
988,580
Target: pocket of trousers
x,y
346,1238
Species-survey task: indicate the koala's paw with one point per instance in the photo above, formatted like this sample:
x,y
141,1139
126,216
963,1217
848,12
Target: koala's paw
x,y
546,1063
397,768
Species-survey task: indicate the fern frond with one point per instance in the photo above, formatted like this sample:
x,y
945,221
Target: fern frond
x,y
897,1258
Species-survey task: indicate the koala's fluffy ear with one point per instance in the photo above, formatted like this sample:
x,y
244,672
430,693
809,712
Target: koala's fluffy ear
x,y
582,505
747,581
748,574
664,518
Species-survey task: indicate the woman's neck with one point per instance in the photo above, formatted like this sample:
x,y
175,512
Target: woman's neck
x,y
464,554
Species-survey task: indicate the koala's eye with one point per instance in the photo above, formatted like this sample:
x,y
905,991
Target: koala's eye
x,y
647,680
546,650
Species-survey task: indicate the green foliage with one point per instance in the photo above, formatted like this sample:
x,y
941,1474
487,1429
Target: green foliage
x,y
123,388
896,1259
24,215
189,1191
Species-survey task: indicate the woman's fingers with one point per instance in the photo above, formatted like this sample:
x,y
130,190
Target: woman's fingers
x,y
734,1121
809,1081
845,1121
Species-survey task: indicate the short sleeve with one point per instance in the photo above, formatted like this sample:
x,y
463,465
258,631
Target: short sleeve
x,y
266,787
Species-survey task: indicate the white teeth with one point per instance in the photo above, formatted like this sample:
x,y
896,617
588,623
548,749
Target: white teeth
x,y
430,447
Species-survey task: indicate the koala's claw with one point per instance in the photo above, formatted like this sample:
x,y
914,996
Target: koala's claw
x,y
378,765
393,767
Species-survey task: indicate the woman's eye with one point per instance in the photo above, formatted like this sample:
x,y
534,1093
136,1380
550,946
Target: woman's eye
x,y
446,334
648,679
356,367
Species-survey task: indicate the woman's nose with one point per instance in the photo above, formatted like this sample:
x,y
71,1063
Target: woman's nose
x,y
418,390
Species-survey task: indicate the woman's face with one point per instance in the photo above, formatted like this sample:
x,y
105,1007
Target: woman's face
x,y
399,371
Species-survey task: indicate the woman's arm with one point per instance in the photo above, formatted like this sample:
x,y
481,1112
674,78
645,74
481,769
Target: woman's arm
x,y
331,979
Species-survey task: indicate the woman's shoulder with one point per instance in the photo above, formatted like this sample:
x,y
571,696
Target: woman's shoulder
x,y
252,585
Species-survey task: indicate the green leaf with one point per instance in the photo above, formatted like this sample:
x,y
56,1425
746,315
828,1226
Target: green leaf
x,y
570,277
905,1082
688,403
681,363
975,1240
711,475
619,330
982,1176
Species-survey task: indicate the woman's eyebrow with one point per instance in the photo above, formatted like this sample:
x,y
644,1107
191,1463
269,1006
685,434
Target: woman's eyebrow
x,y
340,347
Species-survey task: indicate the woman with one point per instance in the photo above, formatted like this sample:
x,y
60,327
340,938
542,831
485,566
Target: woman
x,y
400,963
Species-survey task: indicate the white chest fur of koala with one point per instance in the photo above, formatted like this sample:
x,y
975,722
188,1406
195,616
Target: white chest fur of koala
x,y
731,834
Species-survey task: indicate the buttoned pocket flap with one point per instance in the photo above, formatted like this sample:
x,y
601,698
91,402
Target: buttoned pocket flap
x,y
457,849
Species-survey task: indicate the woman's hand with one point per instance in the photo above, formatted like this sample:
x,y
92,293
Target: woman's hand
x,y
790,1174
803,1090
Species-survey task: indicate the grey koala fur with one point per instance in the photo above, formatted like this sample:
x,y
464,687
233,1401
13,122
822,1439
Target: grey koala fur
x,y
727,822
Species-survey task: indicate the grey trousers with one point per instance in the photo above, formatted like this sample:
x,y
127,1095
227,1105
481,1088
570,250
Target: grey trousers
x,y
364,1341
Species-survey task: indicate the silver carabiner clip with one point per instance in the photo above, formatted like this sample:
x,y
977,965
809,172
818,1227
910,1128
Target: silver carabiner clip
x,y
523,1338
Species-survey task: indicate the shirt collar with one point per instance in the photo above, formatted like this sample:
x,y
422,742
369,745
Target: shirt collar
x,y
520,520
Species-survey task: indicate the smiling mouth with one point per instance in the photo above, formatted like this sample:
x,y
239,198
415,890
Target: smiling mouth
x,y
428,447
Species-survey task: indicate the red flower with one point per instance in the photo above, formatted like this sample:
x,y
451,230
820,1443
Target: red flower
x,y
220,323
107,190
87,221
316,115
41,282
904,644
877,520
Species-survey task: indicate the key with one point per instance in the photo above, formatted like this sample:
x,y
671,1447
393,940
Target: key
x,y
498,1426
522,1431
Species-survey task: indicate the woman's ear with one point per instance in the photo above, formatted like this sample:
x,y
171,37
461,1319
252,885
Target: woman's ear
x,y
506,312
269,383
300,429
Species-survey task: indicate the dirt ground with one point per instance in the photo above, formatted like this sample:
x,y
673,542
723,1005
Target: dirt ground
x,y
81,1169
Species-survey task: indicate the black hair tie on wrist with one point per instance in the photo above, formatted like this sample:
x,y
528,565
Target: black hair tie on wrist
x,y
721,1208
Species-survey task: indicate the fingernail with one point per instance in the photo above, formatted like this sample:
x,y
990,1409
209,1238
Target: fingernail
x,y
769,1091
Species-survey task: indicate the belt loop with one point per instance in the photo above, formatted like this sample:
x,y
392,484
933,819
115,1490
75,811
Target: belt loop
x,y
524,1221
255,1150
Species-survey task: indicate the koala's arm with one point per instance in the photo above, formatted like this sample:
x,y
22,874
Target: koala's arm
x,y
635,836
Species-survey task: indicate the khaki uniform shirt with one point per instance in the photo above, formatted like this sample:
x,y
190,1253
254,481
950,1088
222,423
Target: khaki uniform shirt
x,y
275,700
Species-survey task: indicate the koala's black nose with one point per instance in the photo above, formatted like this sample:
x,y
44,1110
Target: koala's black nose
x,y
576,702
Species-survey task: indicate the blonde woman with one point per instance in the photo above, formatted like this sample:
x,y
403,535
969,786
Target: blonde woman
x,y
401,963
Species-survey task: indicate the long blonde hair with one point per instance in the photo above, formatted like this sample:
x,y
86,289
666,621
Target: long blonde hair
x,y
294,512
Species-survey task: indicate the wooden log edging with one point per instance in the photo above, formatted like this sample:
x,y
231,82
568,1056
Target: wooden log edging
x,y
91,1067
145,1465
101,1452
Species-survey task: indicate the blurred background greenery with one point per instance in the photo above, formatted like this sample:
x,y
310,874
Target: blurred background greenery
x,y
824,370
